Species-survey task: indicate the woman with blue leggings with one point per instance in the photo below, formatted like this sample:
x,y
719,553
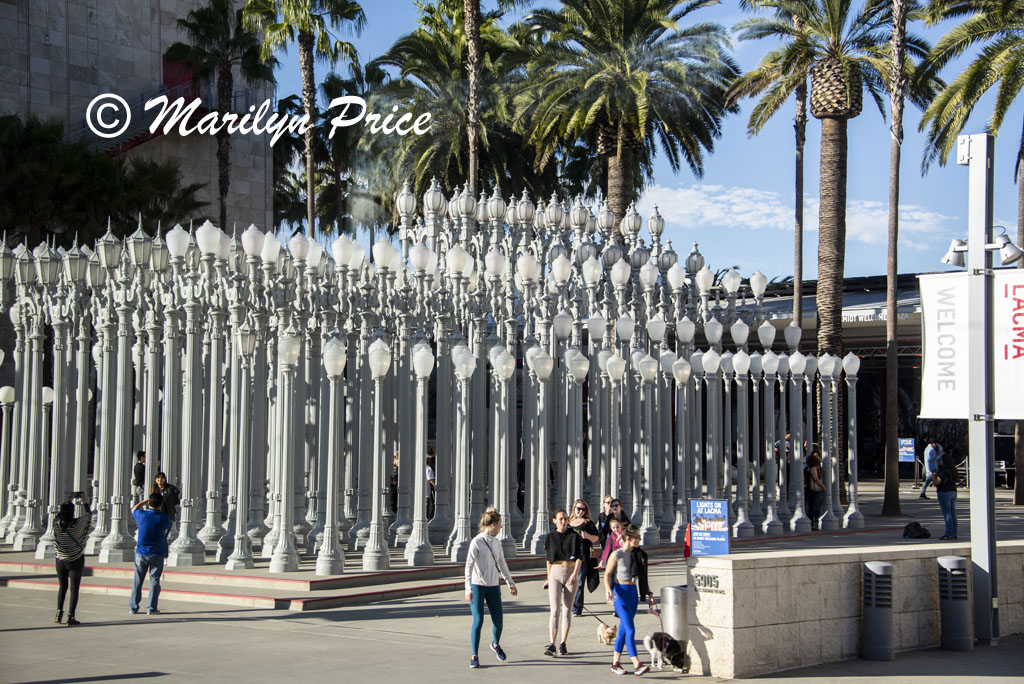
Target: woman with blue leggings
x,y
620,585
483,563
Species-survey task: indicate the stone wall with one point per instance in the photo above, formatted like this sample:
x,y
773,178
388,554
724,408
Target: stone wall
x,y
756,613
59,54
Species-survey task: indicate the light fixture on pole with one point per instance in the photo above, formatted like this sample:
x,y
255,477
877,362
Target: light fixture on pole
x,y
375,554
418,551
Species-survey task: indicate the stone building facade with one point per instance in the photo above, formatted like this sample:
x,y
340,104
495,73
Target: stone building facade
x,y
58,55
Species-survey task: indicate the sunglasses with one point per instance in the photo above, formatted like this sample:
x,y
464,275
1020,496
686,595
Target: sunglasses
x,y
580,508
616,505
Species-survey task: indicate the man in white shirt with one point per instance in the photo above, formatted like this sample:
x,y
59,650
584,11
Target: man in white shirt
x,y
932,454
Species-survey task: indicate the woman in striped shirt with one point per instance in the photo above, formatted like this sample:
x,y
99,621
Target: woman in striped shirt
x,y
69,545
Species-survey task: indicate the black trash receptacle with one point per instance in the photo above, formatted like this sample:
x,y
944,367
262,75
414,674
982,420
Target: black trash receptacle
x,y
877,626
953,604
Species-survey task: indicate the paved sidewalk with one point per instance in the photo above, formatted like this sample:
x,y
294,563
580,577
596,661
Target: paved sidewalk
x,y
405,642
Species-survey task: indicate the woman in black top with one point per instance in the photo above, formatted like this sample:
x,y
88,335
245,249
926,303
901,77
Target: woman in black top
x,y
69,547
615,511
945,488
581,523
565,556
171,495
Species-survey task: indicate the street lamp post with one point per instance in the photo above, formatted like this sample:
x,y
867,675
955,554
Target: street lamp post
x,y
418,551
331,557
375,554
285,557
826,364
241,553
853,519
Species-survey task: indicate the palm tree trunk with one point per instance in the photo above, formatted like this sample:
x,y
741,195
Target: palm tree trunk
x,y
831,236
620,182
1018,433
800,128
225,89
474,47
309,102
897,90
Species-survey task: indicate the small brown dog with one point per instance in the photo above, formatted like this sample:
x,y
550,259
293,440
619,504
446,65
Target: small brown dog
x,y
606,634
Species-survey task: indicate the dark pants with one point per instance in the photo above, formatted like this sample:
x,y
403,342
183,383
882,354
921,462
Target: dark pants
x,y
154,565
69,573
947,502
492,596
814,500
577,604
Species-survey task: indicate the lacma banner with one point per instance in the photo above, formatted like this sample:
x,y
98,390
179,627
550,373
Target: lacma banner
x,y
944,377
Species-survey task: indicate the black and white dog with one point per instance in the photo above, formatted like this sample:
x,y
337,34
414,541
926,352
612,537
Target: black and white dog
x,y
663,648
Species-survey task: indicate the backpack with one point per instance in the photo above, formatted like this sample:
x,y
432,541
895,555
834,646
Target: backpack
x,y
913,530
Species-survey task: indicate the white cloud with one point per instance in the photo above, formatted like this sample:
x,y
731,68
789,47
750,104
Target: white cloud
x,y
702,207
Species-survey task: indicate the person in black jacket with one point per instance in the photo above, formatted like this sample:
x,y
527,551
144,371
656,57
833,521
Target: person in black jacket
x,y
945,488
171,495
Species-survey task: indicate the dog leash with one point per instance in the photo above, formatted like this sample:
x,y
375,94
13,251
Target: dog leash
x,y
652,608
596,617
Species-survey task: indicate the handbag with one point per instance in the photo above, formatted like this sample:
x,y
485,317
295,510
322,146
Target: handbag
x,y
593,575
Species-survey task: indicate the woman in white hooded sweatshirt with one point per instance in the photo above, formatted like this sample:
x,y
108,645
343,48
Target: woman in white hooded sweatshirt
x,y
483,563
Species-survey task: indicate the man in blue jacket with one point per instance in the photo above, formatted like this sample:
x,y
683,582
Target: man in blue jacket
x,y
150,549
932,454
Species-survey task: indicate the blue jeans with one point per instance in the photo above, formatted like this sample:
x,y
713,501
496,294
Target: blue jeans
x,y
577,604
626,600
947,502
492,595
927,481
155,566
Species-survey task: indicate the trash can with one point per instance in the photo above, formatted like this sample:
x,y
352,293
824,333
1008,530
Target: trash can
x,y
674,612
953,604
877,625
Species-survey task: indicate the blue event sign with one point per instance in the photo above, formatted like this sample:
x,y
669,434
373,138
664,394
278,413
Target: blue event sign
x,y
907,450
709,527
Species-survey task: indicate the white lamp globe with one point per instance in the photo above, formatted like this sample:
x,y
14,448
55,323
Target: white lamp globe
x,y
543,365
561,268
252,241
851,364
758,283
797,363
681,371
591,271
731,281
648,368
726,363
342,249
562,325
635,358
423,361
271,249
208,238
531,355
596,325
792,333
656,328
713,331
705,279
335,356
685,330
766,334
741,362
455,260
602,360
667,359
177,241
620,273
6,394
676,276
505,366
419,257
648,275
616,366
624,326
298,246
578,366
697,362
755,364
770,363
47,396
495,263
712,361
740,332
379,355
783,364
358,255
315,255
288,347
528,266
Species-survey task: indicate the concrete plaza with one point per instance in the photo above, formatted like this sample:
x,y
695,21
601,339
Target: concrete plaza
x,y
423,638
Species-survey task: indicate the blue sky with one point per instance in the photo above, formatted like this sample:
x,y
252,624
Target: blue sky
x,y
741,211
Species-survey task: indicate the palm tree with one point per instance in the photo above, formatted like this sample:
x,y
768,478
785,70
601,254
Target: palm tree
x,y
897,95
310,22
770,77
844,52
997,27
429,65
626,75
217,44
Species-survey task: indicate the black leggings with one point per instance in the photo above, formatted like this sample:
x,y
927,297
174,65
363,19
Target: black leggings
x,y
69,570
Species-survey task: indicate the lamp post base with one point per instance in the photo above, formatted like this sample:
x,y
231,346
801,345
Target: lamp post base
x,y
828,522
800,523
420,555
333,564
537,543
121,553
772,526
46,550
854,519
185,559
284,562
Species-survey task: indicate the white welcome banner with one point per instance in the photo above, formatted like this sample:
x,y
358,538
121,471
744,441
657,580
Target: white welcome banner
x,y
944,345
944,376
